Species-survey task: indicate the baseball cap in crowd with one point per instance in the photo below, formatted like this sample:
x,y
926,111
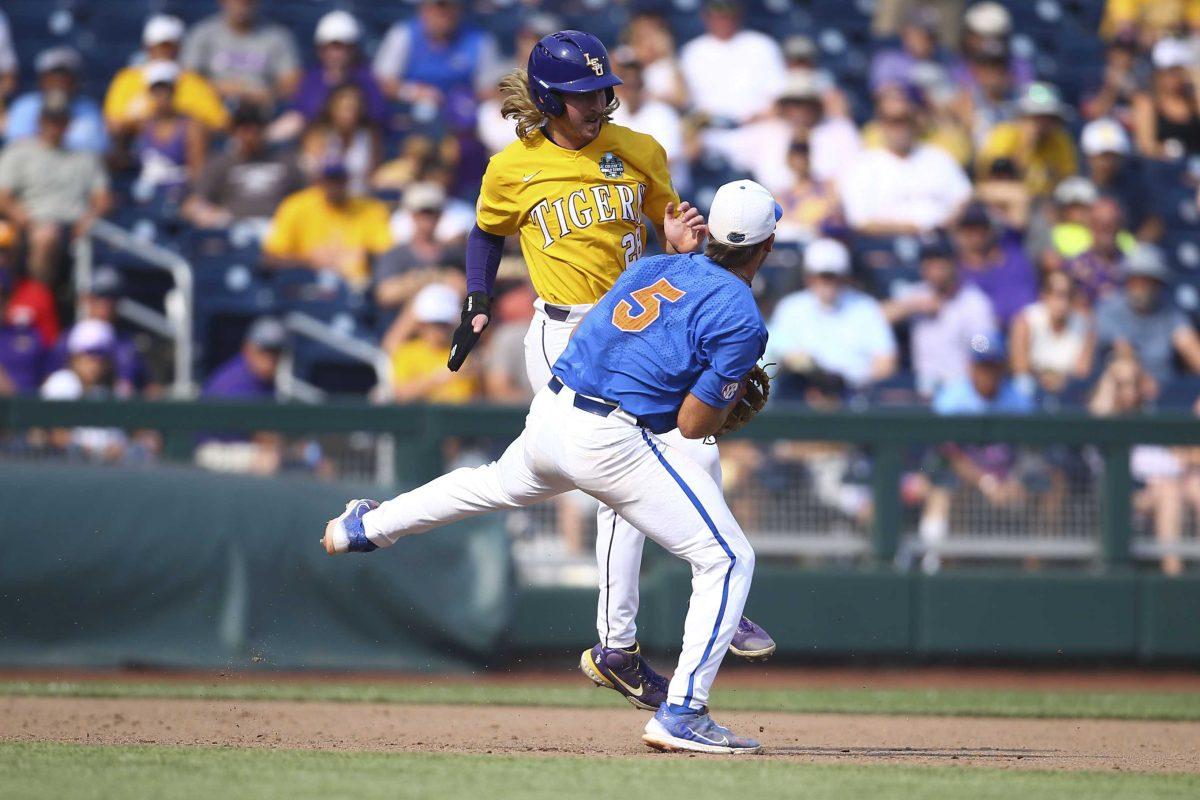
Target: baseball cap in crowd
x,y
334,168
975,214
424,197
1146,261
338,26
438,303
91,336
826,257
58,58
156,73
801,86
162,28
799,47
1076,190
267,333
935,245
1170,53
988,349
743,213
1040,100
1104,136
105,282
988,19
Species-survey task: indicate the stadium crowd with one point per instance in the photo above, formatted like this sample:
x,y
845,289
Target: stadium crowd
x,y
987,206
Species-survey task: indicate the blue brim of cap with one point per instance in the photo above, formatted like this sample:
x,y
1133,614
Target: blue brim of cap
x,y
778,212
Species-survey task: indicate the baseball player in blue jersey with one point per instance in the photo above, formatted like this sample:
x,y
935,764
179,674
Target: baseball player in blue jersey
x,y
668,347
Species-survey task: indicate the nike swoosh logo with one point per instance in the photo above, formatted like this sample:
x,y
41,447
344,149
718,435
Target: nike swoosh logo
x,y
724,739
530,176
635,692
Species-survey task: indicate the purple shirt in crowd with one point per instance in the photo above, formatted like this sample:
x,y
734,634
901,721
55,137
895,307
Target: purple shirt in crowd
x,y
315,88
127,363
22,357
1008,280
234,379
1097,275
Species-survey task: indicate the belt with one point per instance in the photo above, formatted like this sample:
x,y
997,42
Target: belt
x,y
655,423
557,313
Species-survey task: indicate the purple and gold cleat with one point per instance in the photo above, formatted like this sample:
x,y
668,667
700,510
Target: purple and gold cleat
x,y
345,533
751,642
626,672
677,728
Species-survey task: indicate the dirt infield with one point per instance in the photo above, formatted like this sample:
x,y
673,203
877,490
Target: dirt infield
x,y
1006,743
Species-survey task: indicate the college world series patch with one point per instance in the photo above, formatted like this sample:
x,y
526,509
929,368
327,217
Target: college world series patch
x,y
611,166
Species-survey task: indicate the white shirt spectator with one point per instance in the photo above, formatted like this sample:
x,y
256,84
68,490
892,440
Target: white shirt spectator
x,y
1050,350
65,385
761,148
924,189
941,343
456,221
734,78
659,120
845,338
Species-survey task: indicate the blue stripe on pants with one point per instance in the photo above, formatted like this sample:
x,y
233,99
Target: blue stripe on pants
x,y
687,701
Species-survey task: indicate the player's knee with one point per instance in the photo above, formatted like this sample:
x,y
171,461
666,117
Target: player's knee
x,y
743,555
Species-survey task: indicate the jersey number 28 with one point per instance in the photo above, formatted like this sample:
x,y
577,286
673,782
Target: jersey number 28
x,y
650,298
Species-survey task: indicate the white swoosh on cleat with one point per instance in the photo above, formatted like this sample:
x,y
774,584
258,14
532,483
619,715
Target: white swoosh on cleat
x,y
723,743
635,692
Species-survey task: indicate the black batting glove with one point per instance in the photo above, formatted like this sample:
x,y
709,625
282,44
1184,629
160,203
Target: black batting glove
x,y
465,336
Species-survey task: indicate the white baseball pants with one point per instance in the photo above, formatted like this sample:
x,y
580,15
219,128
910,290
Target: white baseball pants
x,y
659,490
618,544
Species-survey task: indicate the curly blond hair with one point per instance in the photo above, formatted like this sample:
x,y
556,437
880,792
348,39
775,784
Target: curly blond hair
x,y
516,103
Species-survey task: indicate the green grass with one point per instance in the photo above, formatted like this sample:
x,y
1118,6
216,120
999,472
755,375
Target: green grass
x,y
956,702
164,773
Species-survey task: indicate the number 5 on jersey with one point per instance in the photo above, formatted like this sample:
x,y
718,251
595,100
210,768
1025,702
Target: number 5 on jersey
x,y
650,298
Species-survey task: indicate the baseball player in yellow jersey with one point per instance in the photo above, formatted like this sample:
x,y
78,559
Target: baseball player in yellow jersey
x,y
577,189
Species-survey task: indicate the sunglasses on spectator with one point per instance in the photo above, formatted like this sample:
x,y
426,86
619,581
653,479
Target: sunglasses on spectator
x,y
899,119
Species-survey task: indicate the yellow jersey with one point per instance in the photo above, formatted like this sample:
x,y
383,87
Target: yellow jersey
x,y
306,225
1041,166
418,359
128,97
581,214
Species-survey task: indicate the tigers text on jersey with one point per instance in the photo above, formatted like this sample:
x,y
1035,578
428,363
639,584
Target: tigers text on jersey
x,y
670,326
580,213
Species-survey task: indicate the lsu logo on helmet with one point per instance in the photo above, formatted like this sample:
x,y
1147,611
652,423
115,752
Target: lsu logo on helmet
x,y
595,63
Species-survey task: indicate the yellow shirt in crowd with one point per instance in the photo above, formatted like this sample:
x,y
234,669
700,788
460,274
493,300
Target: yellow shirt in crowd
x,y
1156,18
419,359
1041,167
305,224
581,214
129,98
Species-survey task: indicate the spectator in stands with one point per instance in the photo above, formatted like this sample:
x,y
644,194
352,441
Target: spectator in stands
x,y
1111,93
1106,149
991,97
30,302
48,191
650,38
247,181
22,353
944,315
344,132
992,258
936,127
171,148
992,469
419,365
493,129
8,60
1150,20
903,187
127,103
339,63
505,377
422,259
58,75
830,327
808,204
1166,117
652,117
437,63
1053,343
453,223
1071,232
731,96
890,15
1037,146
1126,388
88,374
247,58
898,66
1097,271
98,301
324,227
987,29
1141,321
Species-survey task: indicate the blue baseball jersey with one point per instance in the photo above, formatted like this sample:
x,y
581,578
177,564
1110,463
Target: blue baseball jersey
x,y
670,325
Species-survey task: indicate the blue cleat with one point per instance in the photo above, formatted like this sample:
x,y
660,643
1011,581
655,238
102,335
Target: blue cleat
x,y
625,672
345,534
675,728
751,642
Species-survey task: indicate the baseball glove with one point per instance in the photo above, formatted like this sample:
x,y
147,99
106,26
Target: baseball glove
x,y
758,391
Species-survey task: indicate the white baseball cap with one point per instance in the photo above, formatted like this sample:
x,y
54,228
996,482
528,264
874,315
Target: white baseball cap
x,y
438,303
337,26
988,19
162,28
1169,53
1076,190
743,213
826,257
90,336
156,72
1104,136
